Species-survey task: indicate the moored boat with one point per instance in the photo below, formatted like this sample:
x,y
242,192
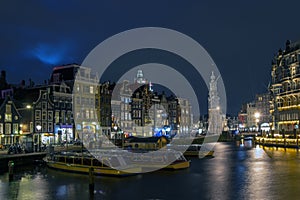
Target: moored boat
x,y
74,162
193,150
165,159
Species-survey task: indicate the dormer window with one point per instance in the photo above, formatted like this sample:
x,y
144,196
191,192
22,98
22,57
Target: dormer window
x,y
56,78
8,108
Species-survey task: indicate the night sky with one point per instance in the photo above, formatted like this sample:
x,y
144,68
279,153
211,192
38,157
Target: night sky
x,y
240,36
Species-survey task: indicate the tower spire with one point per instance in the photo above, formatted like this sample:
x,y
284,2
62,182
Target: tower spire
x,y
215,121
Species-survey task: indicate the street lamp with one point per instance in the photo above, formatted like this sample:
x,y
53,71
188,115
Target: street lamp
x,y
115,135
115,128
21,129
257,116
26,119
38,128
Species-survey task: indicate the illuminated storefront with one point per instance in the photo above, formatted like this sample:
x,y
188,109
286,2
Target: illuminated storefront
x,y
63,133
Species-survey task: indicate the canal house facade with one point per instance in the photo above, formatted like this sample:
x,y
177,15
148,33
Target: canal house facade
x,y
43,119
9,122
285,90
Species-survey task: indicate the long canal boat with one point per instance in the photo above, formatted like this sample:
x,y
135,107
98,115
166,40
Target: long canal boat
x,y
116,162
81,163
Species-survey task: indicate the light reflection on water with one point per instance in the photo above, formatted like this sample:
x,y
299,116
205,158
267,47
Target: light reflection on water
x,y
236,172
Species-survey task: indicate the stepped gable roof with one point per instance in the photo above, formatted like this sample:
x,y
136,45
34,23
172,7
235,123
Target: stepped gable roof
x,y
6,99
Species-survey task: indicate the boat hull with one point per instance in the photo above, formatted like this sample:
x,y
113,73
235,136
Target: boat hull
x,y
179,165
173,166
199,153
99,171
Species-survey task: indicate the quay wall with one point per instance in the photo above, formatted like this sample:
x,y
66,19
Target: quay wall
x,y
20,160
278,142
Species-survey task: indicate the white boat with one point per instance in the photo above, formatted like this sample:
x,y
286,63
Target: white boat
x,y
192,150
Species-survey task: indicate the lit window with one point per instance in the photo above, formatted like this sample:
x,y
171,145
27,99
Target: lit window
x,y
56,116
92,114
15,128
87,114
1,128
8,117
7,128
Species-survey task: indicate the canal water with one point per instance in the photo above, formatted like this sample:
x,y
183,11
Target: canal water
x,y
237,171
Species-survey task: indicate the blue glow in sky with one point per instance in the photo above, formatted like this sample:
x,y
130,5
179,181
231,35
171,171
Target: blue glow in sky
x,y
49,53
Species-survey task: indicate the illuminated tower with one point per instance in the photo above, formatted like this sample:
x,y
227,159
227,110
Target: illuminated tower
x,y
215,122
140,77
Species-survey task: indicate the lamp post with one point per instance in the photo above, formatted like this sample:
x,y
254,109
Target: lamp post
x,y
115,135
257,116
26,118
38,128
66,131
24,124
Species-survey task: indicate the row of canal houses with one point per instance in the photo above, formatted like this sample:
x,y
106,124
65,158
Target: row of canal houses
x,y
35,115
38,114
44,114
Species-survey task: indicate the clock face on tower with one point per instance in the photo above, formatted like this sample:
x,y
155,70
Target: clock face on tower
x,y
16,117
